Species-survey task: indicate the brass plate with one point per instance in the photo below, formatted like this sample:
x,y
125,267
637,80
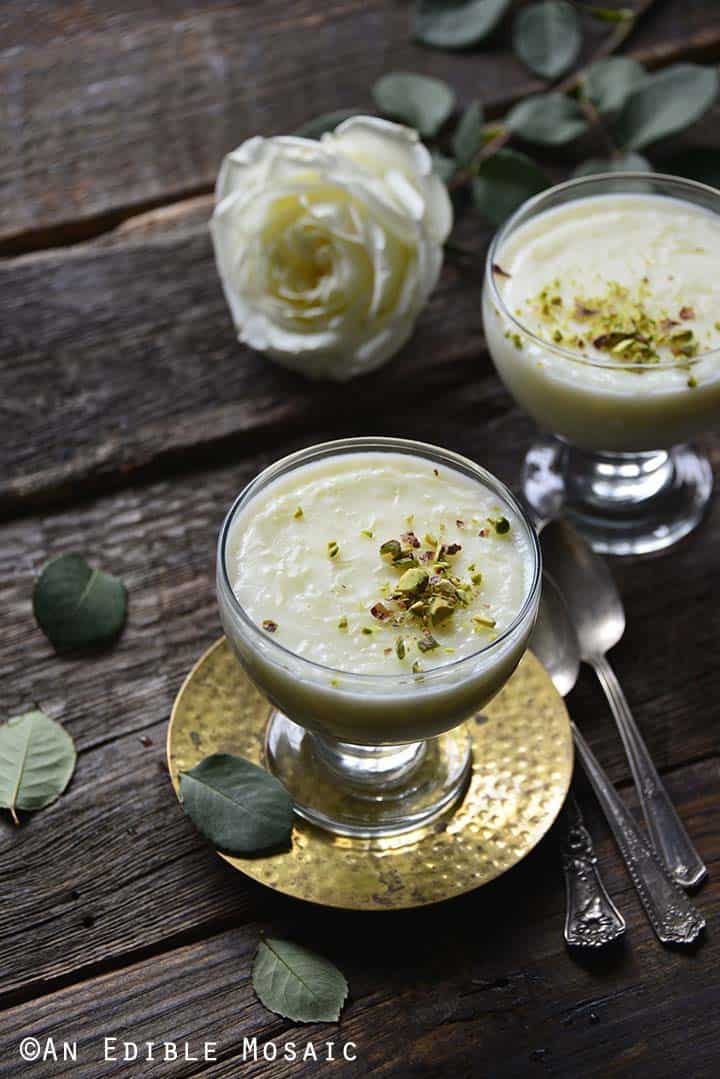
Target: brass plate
x,y
522,765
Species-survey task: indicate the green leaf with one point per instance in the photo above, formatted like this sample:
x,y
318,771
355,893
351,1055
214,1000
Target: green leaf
x,y
547,37
313,129
627,163
448,25
549,119
612,14
700,163
297,983
665,103
417,100
37,760
468,137
77,606
504,182
608,83
238,806
443,165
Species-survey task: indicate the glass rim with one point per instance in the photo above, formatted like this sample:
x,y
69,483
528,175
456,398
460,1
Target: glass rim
x,y
507,228
380,444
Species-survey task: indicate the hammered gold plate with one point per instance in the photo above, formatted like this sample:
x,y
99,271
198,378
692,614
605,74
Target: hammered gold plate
x,y
522,765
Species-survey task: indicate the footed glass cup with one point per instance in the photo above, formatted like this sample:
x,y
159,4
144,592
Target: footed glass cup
x,y
615,458
372,755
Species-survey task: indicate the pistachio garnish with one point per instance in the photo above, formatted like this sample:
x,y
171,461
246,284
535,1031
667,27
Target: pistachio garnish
x,y
366,532
500,524
333,549
400,648
484,623
342,622
410,539
416,667
440,609
391,549
367,630
380,611
413,580
427,642
618,322
269,625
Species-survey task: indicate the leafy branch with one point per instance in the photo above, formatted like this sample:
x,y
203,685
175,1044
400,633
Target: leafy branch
x,y
611,103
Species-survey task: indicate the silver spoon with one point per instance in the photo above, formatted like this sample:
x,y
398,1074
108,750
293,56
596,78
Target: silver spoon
x,y
591,917
596,610
670,912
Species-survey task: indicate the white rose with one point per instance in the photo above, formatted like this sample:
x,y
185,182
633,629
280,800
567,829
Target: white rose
x,y
328,250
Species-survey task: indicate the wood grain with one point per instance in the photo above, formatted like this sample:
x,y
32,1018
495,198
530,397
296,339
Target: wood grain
x,y
128,872
131,417
482,982
104,112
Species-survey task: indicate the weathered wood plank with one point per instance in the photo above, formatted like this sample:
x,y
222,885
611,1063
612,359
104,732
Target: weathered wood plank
x,y
113,867
103,111
100,387
98,381
481,985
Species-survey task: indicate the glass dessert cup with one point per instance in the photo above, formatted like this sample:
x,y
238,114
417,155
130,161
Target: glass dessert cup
x,y
616,460
365,754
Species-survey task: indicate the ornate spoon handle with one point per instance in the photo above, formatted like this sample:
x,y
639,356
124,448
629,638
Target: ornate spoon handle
x,y
591,917
667,831
671,914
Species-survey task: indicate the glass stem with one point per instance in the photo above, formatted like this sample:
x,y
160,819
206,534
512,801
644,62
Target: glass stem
x,y
372,770
616,480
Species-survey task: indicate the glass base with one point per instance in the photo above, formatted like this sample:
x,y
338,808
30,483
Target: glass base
x,y
623,503
368,791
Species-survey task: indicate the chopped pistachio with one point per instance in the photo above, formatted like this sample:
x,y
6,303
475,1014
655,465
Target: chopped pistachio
x,y
298,513
485,623
366,532
440,609
413,580
334,682
391,549
367,630
477,578
427,643
692,382
400,648
416,667
333,549
380,611
342,622
269,625
500,524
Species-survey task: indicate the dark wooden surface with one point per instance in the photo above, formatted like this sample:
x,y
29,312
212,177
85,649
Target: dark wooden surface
x,y
130,419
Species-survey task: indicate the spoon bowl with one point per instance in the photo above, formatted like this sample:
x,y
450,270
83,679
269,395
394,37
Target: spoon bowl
x,y
554,640
588,587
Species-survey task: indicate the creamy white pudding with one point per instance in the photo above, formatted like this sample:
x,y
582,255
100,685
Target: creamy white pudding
x,y
384,591
602,318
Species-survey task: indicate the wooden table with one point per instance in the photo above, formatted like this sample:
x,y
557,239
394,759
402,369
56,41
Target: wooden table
x,y
130,419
